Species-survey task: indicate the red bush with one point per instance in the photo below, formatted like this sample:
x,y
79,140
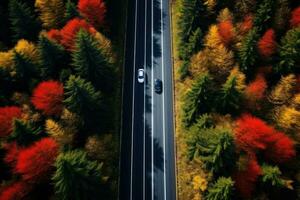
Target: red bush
x,y
16,191
245,179
253,135
67,34
35,163
281,149
48,97
247,24
7,115
226,32
267,44
256,89
295,18
12,152
93,10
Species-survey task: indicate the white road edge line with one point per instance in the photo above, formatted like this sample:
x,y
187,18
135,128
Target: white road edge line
x,y
132,125
145,82
163,97
152,107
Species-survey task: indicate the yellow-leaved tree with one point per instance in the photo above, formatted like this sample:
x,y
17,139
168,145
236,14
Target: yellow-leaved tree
x,y
56,131
288,118
105,46
7,60
51,12
225,15
284,90
27,49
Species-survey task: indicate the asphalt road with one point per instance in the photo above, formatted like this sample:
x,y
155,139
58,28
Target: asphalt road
x,y
147,166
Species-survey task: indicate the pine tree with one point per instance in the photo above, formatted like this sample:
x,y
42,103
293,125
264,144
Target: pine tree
x,y
215,147
198,99
222,189
90,63
194,44
264,14
71,11
76,177
289,52
272,175
82,99
51,12
23,23
27,49
231,93
51,57
59,133
248,53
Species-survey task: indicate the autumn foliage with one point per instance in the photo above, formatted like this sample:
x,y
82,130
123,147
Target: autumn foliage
x,y
94,11
253,136
66,36
226,32
12,152
35,163
15,191
48,97
7,115
245,179
247,24
295,18
267,44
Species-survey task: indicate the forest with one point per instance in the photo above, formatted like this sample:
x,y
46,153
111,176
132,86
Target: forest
x,y
60,80
237,80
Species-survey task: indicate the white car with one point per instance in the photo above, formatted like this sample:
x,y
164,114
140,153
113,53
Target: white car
x,y
141,76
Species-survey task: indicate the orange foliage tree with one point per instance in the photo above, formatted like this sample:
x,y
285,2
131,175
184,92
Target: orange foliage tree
x,y
226,31
7,115
267,44
35,163
93,10
48,97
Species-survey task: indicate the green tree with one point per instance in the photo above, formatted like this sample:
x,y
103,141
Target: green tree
x,y
289,52
51,57
222,189
23,23
215,147
230,96
272,175
198,99
76,177
23,133
90,63
248,53
264,14
71,11
194,44
82,98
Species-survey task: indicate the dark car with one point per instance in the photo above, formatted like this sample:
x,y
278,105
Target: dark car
x,y
158,85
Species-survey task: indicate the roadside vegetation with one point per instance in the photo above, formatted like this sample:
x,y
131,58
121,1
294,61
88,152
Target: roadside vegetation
x,y
237,81
60,80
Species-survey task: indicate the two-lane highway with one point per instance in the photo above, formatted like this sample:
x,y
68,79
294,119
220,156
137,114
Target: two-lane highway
x,y
147,167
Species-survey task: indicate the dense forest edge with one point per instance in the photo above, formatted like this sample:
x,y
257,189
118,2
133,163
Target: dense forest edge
x,y
237,98
60,98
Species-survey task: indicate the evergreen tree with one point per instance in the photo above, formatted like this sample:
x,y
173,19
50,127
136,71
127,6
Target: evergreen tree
x,y
230,96
289,52
222,189
51,12
71,11
248,53
90,63
215,147
82,99
272,175
23,23
193,46
76,177
198,99
264,15
51,57
23,133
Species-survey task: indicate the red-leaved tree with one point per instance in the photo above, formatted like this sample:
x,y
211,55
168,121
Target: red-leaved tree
x,y
15,191
48,97
94,11
35,163
267,44
66,36
256,89
295,18
226,31
7,115
245,179
253,135
247,24
12,152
